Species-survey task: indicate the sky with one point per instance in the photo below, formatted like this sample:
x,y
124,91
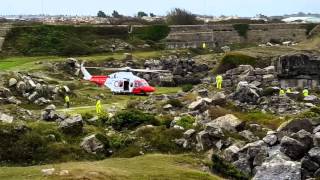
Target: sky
x,y
159,7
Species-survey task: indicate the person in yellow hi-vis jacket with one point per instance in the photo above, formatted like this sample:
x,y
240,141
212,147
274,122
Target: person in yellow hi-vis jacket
x,y
305,92
219,80
98,107
67,100
282,92
288,90
204,45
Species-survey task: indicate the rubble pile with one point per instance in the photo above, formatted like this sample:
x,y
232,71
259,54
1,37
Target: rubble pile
x,y
256,76
26,88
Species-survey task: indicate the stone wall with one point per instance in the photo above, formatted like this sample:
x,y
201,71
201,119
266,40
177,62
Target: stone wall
x,y
4,28
220,35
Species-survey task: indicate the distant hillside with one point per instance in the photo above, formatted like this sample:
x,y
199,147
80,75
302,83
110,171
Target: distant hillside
x,y
79,40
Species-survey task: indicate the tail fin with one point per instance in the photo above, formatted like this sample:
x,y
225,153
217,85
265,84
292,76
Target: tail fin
x,y
87,75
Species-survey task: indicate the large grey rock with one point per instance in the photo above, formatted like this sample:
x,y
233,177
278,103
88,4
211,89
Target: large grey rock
x,y
292,148
248,135
13,100
72,125
246,93
316,139
92,145
228,122
12,82
219,98
270,139
33,96
252,149
189,133
314,154
260,157
21,86
296,125
311,98
214,131
231,153
278,168
204,141
243,165
308,164
304,137
5,92
197,105
6,118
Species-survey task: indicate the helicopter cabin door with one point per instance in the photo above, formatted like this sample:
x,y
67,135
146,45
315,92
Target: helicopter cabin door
x,y
126,85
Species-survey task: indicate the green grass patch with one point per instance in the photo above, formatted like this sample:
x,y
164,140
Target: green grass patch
x,y
147,167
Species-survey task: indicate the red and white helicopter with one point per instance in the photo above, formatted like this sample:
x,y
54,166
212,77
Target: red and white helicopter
x,y
123,81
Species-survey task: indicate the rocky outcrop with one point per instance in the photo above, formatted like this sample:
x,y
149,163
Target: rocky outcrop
x,y
72,125
92,145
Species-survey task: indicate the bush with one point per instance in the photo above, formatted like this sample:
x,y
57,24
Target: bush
x,y
220,166
61,39
215,112
310,27
166,120
37,143
242,29
187,87
161,139
153,32
175,103
132,118
181,17
186,122
233,60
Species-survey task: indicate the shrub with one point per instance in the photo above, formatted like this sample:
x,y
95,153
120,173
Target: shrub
x,y
181,17
310,27
86,116
187,87
153,32
242,29
186,122
175,103
131,118
61,40
226,169
37,143
215,112
165,120
161,139
233,60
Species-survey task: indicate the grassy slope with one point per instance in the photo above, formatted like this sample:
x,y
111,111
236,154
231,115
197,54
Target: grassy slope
x,y
153,166
27,63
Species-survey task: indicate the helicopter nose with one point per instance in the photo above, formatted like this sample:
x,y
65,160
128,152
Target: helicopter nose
x,y
148,89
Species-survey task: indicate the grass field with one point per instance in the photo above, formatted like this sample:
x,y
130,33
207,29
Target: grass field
x,y
29,63
147,167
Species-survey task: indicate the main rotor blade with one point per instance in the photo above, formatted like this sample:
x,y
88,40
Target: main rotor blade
x,y
149,70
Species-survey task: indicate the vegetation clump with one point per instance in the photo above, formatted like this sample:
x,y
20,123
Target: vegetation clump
x,y
233,60
220,166
152,32
186,122
187,87
175,103
242,29
181,17
132,118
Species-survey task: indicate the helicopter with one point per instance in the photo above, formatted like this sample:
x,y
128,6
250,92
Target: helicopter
x,y
122,81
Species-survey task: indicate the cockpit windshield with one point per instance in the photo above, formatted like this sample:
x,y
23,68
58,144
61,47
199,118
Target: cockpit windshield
x,y
141,83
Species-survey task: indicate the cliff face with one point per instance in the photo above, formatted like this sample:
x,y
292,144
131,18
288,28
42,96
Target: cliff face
x,y
220,35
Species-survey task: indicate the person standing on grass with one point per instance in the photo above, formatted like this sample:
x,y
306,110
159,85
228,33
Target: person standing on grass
x,y
219,81
67,100
98,107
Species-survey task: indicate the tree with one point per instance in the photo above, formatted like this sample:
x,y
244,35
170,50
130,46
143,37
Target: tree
x,y
142,14
152,15
181,17
115,14
101,14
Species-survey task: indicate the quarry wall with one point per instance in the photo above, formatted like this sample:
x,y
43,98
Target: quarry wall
x,y
219,35
4,29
